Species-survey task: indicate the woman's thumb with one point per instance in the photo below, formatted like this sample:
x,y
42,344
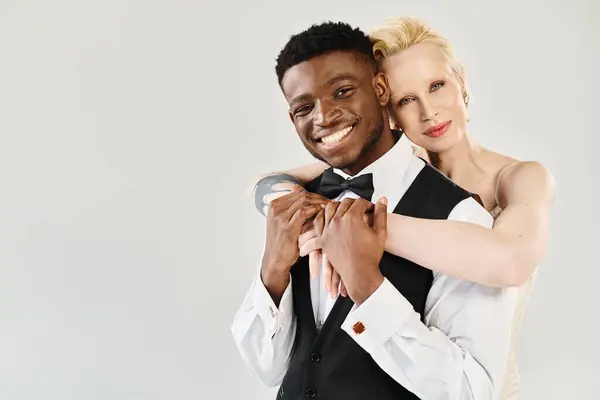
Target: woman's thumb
x,y
380,217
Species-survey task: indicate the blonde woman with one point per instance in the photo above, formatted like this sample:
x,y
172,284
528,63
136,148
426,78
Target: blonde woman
x,y
429,103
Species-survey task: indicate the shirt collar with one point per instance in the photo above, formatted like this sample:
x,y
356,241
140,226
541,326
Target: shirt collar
x,y
389,166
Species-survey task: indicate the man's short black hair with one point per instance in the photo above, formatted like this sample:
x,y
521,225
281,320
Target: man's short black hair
x,y
321,39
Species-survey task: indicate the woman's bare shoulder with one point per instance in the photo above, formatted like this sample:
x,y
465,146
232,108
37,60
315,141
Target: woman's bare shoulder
x,y
515,178
527,181
497,163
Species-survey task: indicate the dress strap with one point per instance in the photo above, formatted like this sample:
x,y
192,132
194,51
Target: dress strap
x,y
499,177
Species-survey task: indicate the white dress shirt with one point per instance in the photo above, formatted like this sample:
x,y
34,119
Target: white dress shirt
x,y
459,353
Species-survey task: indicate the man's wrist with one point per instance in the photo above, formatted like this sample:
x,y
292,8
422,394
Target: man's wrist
x,y
366,286
275,279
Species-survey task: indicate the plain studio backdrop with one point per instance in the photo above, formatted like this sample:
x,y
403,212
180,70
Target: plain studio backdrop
x,y
130,131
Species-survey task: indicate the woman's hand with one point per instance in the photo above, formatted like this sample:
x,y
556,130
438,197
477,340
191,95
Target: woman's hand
x,y
281,189
309,245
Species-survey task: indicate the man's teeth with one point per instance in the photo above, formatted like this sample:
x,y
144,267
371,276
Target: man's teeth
x,y
336,137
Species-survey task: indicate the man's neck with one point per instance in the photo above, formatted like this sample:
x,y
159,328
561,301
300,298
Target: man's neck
x,y
383,145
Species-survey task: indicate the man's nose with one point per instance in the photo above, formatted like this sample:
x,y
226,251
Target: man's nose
x,y
326,113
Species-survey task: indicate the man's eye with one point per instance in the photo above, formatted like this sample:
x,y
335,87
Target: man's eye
x,y
344,92
302,110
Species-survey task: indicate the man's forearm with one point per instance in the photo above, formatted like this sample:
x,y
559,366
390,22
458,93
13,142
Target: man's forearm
x,y
275,280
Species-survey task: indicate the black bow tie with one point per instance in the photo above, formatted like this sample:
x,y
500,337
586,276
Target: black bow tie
x,y
332,185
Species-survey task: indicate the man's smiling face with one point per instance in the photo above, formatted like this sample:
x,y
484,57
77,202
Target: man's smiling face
x,y
337,104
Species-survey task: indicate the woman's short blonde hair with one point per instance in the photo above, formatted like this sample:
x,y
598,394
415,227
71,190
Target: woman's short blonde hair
x,y
397,35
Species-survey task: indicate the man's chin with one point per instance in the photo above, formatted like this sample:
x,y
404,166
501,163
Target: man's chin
x,y
342,164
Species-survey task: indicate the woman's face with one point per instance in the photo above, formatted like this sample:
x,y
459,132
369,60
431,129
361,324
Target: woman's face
x,y
427,100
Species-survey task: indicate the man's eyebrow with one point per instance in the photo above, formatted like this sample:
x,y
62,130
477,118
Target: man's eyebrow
x,y
332,81
341,77
300,98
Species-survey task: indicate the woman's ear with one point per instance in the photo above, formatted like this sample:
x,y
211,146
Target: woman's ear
x,y
464,88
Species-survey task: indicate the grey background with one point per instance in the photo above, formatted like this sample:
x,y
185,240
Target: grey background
x,y
131,129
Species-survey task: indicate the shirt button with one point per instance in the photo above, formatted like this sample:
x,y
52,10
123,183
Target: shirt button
x,y
311,393
315,357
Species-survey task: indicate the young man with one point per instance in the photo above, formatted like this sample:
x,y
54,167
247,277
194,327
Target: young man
x,y
402,332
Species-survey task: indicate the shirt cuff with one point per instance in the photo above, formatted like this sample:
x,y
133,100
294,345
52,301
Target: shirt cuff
x,y
375,321
272,316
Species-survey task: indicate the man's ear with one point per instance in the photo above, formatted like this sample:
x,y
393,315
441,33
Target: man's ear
x,y
382,88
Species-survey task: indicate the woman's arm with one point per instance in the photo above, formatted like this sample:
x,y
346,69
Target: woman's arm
x,y
305,173
503,256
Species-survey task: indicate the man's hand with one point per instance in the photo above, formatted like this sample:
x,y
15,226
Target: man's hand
x,y
285,220
310,245
353,247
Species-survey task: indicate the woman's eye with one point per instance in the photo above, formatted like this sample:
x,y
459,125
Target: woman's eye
x,y
437,86
405,101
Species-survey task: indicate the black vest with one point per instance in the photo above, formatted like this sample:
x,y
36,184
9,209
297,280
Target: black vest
x,y
329,364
